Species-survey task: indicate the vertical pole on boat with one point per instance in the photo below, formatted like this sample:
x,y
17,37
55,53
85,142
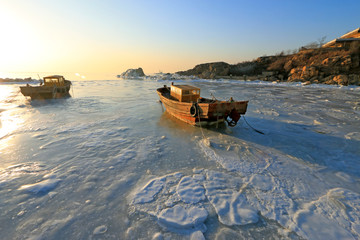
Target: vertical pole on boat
x,y
39,78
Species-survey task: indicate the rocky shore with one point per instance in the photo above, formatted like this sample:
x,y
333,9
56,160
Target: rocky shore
x,y
320,65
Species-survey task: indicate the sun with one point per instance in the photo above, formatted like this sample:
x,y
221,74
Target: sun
x,y
20,43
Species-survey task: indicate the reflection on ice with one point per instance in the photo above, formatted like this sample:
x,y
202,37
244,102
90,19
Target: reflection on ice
x,y
10,119
16,171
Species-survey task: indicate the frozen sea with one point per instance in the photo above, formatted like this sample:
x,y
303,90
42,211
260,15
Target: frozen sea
x,y
108,163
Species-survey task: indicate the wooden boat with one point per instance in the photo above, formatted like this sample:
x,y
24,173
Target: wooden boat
x,y
184,102
53,87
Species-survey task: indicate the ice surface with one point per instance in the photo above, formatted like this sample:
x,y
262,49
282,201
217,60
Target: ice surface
x,y
190,191
12,172
157,236
268,191
100,230
233,209
198,235
252,159
337,209
149,191
181,217
108,163
41,187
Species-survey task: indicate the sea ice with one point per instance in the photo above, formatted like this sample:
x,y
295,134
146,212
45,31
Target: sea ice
x,y
41,187
262,182
233,209
157,236
100,229
278,189
227,233
190,191
243,158
16,171
181,217
337,210
149,190
198,235
298,180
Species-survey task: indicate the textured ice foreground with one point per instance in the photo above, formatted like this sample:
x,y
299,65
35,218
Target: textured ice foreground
x,y
103,166
269,191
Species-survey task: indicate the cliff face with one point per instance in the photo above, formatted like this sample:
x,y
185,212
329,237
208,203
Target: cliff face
x,y
322,65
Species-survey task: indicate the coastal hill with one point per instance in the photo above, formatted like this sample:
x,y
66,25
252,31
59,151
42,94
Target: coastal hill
x,y
336,62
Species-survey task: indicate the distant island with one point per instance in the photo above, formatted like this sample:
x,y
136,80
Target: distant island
x,y
335,62
9,80
132,74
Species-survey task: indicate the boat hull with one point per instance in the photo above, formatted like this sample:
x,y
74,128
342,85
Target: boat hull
x,y
46,92
208,113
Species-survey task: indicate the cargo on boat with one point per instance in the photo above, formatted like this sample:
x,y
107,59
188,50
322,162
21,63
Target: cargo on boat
x,y
52,87
184,102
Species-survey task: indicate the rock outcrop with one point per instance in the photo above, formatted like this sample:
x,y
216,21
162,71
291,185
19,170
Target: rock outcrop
x,y
329,66
132,74
208,70
322,65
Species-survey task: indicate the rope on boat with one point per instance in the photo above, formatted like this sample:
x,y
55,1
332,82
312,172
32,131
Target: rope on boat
x,y
198,114
258,131
9,100
162,108
212,95
54,92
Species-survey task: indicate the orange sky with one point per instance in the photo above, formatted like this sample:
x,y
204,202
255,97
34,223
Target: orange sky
x,y
100,39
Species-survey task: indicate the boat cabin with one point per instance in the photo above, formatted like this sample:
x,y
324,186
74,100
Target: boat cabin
x,y
185,93
55,80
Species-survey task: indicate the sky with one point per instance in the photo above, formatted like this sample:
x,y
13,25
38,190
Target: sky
x,y
98,39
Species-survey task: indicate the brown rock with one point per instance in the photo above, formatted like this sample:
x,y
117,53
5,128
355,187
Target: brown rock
x,y
346,60
341,80
354,79
355,60
273,79
309,72
295,74
288,66
325,62
328,80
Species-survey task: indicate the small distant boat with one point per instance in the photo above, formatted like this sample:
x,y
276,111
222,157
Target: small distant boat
x,y
184,102
53,87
